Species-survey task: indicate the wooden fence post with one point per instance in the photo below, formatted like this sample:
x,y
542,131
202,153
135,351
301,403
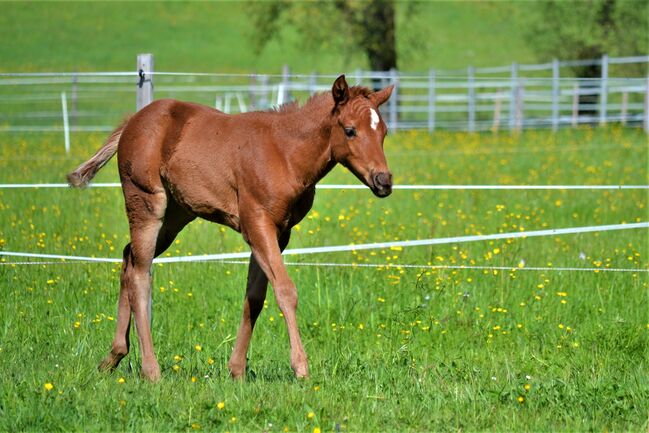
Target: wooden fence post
x,y
393,101
625,104
512,96
145,80
603,91
431,100
471,98
555,95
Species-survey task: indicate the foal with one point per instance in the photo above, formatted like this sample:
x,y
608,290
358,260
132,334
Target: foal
x,y
254,172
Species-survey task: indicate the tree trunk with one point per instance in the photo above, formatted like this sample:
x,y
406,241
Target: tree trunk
x,y
378,39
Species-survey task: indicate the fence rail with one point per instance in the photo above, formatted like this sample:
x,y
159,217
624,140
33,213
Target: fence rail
x,y
511,97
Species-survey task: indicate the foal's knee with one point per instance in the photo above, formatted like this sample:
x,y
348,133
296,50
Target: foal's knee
x,y
286,297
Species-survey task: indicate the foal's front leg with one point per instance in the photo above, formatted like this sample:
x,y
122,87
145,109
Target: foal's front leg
x,y
252,306
261,234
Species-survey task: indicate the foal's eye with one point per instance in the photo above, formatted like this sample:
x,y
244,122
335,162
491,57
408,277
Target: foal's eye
x,y
350,132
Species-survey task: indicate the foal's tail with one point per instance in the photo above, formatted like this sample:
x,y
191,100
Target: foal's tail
x,y
80,177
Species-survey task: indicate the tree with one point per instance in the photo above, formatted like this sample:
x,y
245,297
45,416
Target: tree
x,y
579,30
368,26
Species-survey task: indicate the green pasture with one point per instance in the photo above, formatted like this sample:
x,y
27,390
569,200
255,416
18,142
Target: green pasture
x,y
391,348
215,37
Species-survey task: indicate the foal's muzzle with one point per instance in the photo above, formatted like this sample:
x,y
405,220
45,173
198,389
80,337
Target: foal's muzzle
x,y
382,184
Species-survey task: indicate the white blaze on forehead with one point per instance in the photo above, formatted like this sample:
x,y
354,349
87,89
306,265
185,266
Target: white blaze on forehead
x,y
374,119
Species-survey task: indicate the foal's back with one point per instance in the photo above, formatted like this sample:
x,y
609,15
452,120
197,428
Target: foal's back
x,y
201,156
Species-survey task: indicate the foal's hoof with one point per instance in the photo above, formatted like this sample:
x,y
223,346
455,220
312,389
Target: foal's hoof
x,y
108,364
301,372
151,373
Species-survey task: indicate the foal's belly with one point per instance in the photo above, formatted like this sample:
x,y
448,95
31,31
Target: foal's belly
x,y
208,195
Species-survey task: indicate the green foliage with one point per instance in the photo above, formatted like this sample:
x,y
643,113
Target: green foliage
x,y
390,348
347,26
589,29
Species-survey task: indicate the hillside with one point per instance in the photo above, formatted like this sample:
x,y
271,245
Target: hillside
x,y
205,36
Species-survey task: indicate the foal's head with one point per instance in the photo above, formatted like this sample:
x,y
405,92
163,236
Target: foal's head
x,y
358,132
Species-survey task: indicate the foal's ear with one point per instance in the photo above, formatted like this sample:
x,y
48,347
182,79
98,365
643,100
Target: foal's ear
x,y
382,95
340,90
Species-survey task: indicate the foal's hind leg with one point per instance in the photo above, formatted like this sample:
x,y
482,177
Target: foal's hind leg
x,y
120,345
145,213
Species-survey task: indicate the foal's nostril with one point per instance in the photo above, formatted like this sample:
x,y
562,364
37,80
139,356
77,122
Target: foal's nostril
x,y
383,179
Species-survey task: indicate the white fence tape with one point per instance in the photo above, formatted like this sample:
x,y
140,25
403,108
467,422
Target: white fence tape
x,y
396,187
358,247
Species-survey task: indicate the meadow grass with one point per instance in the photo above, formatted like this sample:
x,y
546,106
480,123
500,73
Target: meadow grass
x,y
215,37
390,348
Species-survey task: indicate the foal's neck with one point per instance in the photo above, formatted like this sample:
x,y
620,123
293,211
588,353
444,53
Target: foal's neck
x,y
308,145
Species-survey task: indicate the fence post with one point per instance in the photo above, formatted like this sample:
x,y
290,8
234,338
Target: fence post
x,y
66,123
625,104
431,100
512,96
575,105
393,104
252,91
145,80
263,99
555,95
646,107
520,112
471,98
603,91
496,119
74,98
286,81
358,77
313,83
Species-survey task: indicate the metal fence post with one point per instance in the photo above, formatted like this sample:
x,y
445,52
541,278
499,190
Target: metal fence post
x,y
512,96
66,123
73,116
431,100
646,107
393,101
603,91
286,82
145,81
555,95
263,98
471,98
313,83
520,112
625,104
575,105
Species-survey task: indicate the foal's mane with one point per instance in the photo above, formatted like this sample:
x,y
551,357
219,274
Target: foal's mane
x,y
318,99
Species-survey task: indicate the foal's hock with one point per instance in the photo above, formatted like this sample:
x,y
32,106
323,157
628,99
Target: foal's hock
x,y
253,172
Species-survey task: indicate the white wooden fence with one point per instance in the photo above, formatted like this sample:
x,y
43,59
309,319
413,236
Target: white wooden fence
x,y
511,97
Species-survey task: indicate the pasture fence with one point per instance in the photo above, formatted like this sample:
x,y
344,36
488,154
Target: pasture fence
x,y
511,97
231,258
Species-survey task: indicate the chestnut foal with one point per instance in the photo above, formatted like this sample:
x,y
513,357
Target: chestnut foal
x,y
253,172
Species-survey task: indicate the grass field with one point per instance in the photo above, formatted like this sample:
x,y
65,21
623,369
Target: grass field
x,y
215,37
390,348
